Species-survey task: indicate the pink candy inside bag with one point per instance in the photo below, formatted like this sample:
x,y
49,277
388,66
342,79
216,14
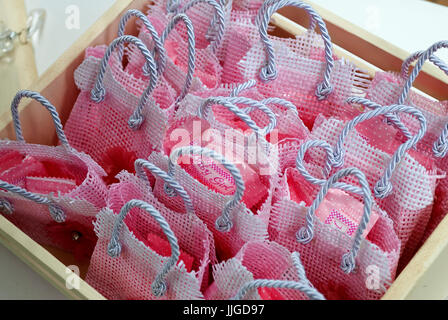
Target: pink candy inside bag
x,y
338,208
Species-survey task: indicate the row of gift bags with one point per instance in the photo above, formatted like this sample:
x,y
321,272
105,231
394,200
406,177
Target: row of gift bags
x,y
208,159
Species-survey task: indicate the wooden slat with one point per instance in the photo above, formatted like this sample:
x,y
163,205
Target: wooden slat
x,y
44,263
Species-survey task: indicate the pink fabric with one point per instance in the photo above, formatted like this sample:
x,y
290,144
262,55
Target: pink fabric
x,y
129,276
100,128
80,201
256,260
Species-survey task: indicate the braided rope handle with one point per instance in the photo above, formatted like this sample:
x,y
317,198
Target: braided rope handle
x,y
303,285
56,212
273,100
159,48
268,3
224,222
253,104
306,234
205,108
142,164
191,50
269,72
313,180
99,92
172,6
243,87
384,186
218,27
418,67
159,286
415,56
44,102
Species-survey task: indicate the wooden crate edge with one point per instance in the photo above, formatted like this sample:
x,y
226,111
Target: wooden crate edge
x,y
44,263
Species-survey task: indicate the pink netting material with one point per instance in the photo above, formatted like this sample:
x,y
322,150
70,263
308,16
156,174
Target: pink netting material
x,y
247,5
300,64
289,125
209,205
386,89
130,275
100,129
80,203
207,71
200,15
370,148
256,260
322,257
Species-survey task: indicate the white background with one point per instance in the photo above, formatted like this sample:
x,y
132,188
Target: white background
x,y
410,24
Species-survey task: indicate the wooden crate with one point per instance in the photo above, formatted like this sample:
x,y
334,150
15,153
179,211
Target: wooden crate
x,y
423,278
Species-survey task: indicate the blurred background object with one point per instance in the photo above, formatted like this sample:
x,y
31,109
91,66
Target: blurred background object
x,y
66,21
17,63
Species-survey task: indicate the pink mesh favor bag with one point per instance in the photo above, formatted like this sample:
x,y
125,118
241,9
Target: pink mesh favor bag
x,y
388,88
247,5
125,266
197,123
229,219
262,271
182,53
196,244
301,70
181,80
204,14
403,180
50,193
369,257
117,118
